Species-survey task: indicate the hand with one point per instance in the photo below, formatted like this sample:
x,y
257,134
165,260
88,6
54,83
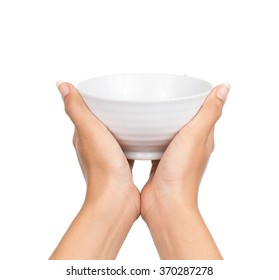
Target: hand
x,y
112,201
169,200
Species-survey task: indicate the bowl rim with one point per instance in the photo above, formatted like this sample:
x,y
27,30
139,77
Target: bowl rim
x,y
170,100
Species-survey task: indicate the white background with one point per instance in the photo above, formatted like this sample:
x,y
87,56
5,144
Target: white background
x,y
41,185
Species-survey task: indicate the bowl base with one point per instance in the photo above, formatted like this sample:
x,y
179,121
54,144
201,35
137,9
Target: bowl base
x,y
143,155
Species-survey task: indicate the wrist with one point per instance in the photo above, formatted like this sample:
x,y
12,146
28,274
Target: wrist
x,y
108,224
96,233
98,230
174,230
173,212
113,200
160,204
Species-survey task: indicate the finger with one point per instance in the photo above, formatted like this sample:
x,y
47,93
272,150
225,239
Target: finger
x,y
75,107
131,163
154,167
210,112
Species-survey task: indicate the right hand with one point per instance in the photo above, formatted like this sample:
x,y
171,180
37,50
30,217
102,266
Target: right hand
x,y
106,170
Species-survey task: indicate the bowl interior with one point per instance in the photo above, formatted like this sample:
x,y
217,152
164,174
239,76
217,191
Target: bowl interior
x,y
143,87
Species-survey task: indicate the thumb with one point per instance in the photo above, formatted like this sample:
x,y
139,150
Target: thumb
x,y
211,110
75,107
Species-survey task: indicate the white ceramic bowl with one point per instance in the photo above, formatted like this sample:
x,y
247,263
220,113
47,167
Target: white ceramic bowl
x,y
144,111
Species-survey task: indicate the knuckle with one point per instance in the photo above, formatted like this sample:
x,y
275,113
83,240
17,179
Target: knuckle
x,y
214,110
73,104
69,105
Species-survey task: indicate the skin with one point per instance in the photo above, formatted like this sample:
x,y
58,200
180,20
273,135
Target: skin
x,y
168,202
112,201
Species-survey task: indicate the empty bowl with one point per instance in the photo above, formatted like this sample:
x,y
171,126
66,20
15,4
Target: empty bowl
x,y
144,111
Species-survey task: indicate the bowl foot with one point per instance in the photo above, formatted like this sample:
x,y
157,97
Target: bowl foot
x,y
143,155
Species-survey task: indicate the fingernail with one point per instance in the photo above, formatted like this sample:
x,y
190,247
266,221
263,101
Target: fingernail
x,y
222,91
63,88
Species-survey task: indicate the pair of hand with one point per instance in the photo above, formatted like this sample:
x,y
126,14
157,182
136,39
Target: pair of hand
x,y
168,201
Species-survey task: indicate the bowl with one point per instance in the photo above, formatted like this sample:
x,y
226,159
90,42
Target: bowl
x,y
144,111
